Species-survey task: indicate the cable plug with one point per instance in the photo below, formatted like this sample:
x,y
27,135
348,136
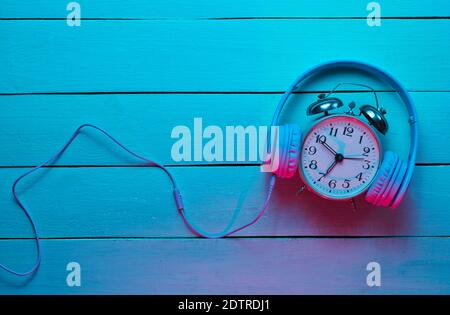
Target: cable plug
x,y
178,200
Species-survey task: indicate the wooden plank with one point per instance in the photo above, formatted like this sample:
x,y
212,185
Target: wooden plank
x,y
218,55
219,9
236,266
138,202
34,127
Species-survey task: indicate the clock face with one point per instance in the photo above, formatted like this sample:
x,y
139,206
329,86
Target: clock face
x,y
340,157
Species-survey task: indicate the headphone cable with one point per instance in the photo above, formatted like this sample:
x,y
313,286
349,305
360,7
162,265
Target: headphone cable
x,y
176,194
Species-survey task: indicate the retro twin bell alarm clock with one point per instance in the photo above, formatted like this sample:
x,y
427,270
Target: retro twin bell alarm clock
x,y
340,156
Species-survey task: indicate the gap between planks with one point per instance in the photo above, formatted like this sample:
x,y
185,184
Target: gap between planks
x,y
232,18
112,238
171,165
210,92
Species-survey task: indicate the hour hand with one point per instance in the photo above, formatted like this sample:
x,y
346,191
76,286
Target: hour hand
x,y
327,146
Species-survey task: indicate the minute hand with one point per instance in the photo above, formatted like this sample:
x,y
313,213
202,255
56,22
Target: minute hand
x,y
332,165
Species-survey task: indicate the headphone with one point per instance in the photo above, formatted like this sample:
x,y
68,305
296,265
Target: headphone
x,y
394,175
388,189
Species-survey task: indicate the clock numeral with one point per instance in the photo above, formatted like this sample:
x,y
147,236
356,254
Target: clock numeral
x,y
359,176
360,139
312,150
366,151
313,165
333,132
366,164
323,175
332,183
321,139
346,183
348,131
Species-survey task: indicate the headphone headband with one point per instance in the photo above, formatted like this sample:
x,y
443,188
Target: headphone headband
x,y
380,74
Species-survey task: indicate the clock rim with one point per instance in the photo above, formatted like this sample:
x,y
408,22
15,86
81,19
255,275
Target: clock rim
x,y
300,168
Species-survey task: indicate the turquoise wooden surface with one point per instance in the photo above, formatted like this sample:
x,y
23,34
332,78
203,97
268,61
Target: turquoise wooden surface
x,y
237,266
214,56
140,68
136,201
179,9
145,122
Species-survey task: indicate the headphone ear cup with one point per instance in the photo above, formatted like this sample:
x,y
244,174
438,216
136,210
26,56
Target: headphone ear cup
x,y
293,157
280,151
382,178
393,185
388,182
395,198
289,150
400,194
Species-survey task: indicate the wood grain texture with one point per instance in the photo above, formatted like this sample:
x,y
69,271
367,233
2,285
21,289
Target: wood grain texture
x,y
33,127
137,202
241,55
178,9
234,266
139,68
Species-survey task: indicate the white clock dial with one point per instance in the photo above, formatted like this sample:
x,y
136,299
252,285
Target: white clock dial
x,y
340,157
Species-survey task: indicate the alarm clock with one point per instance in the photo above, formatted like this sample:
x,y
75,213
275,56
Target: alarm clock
x,y
340,154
